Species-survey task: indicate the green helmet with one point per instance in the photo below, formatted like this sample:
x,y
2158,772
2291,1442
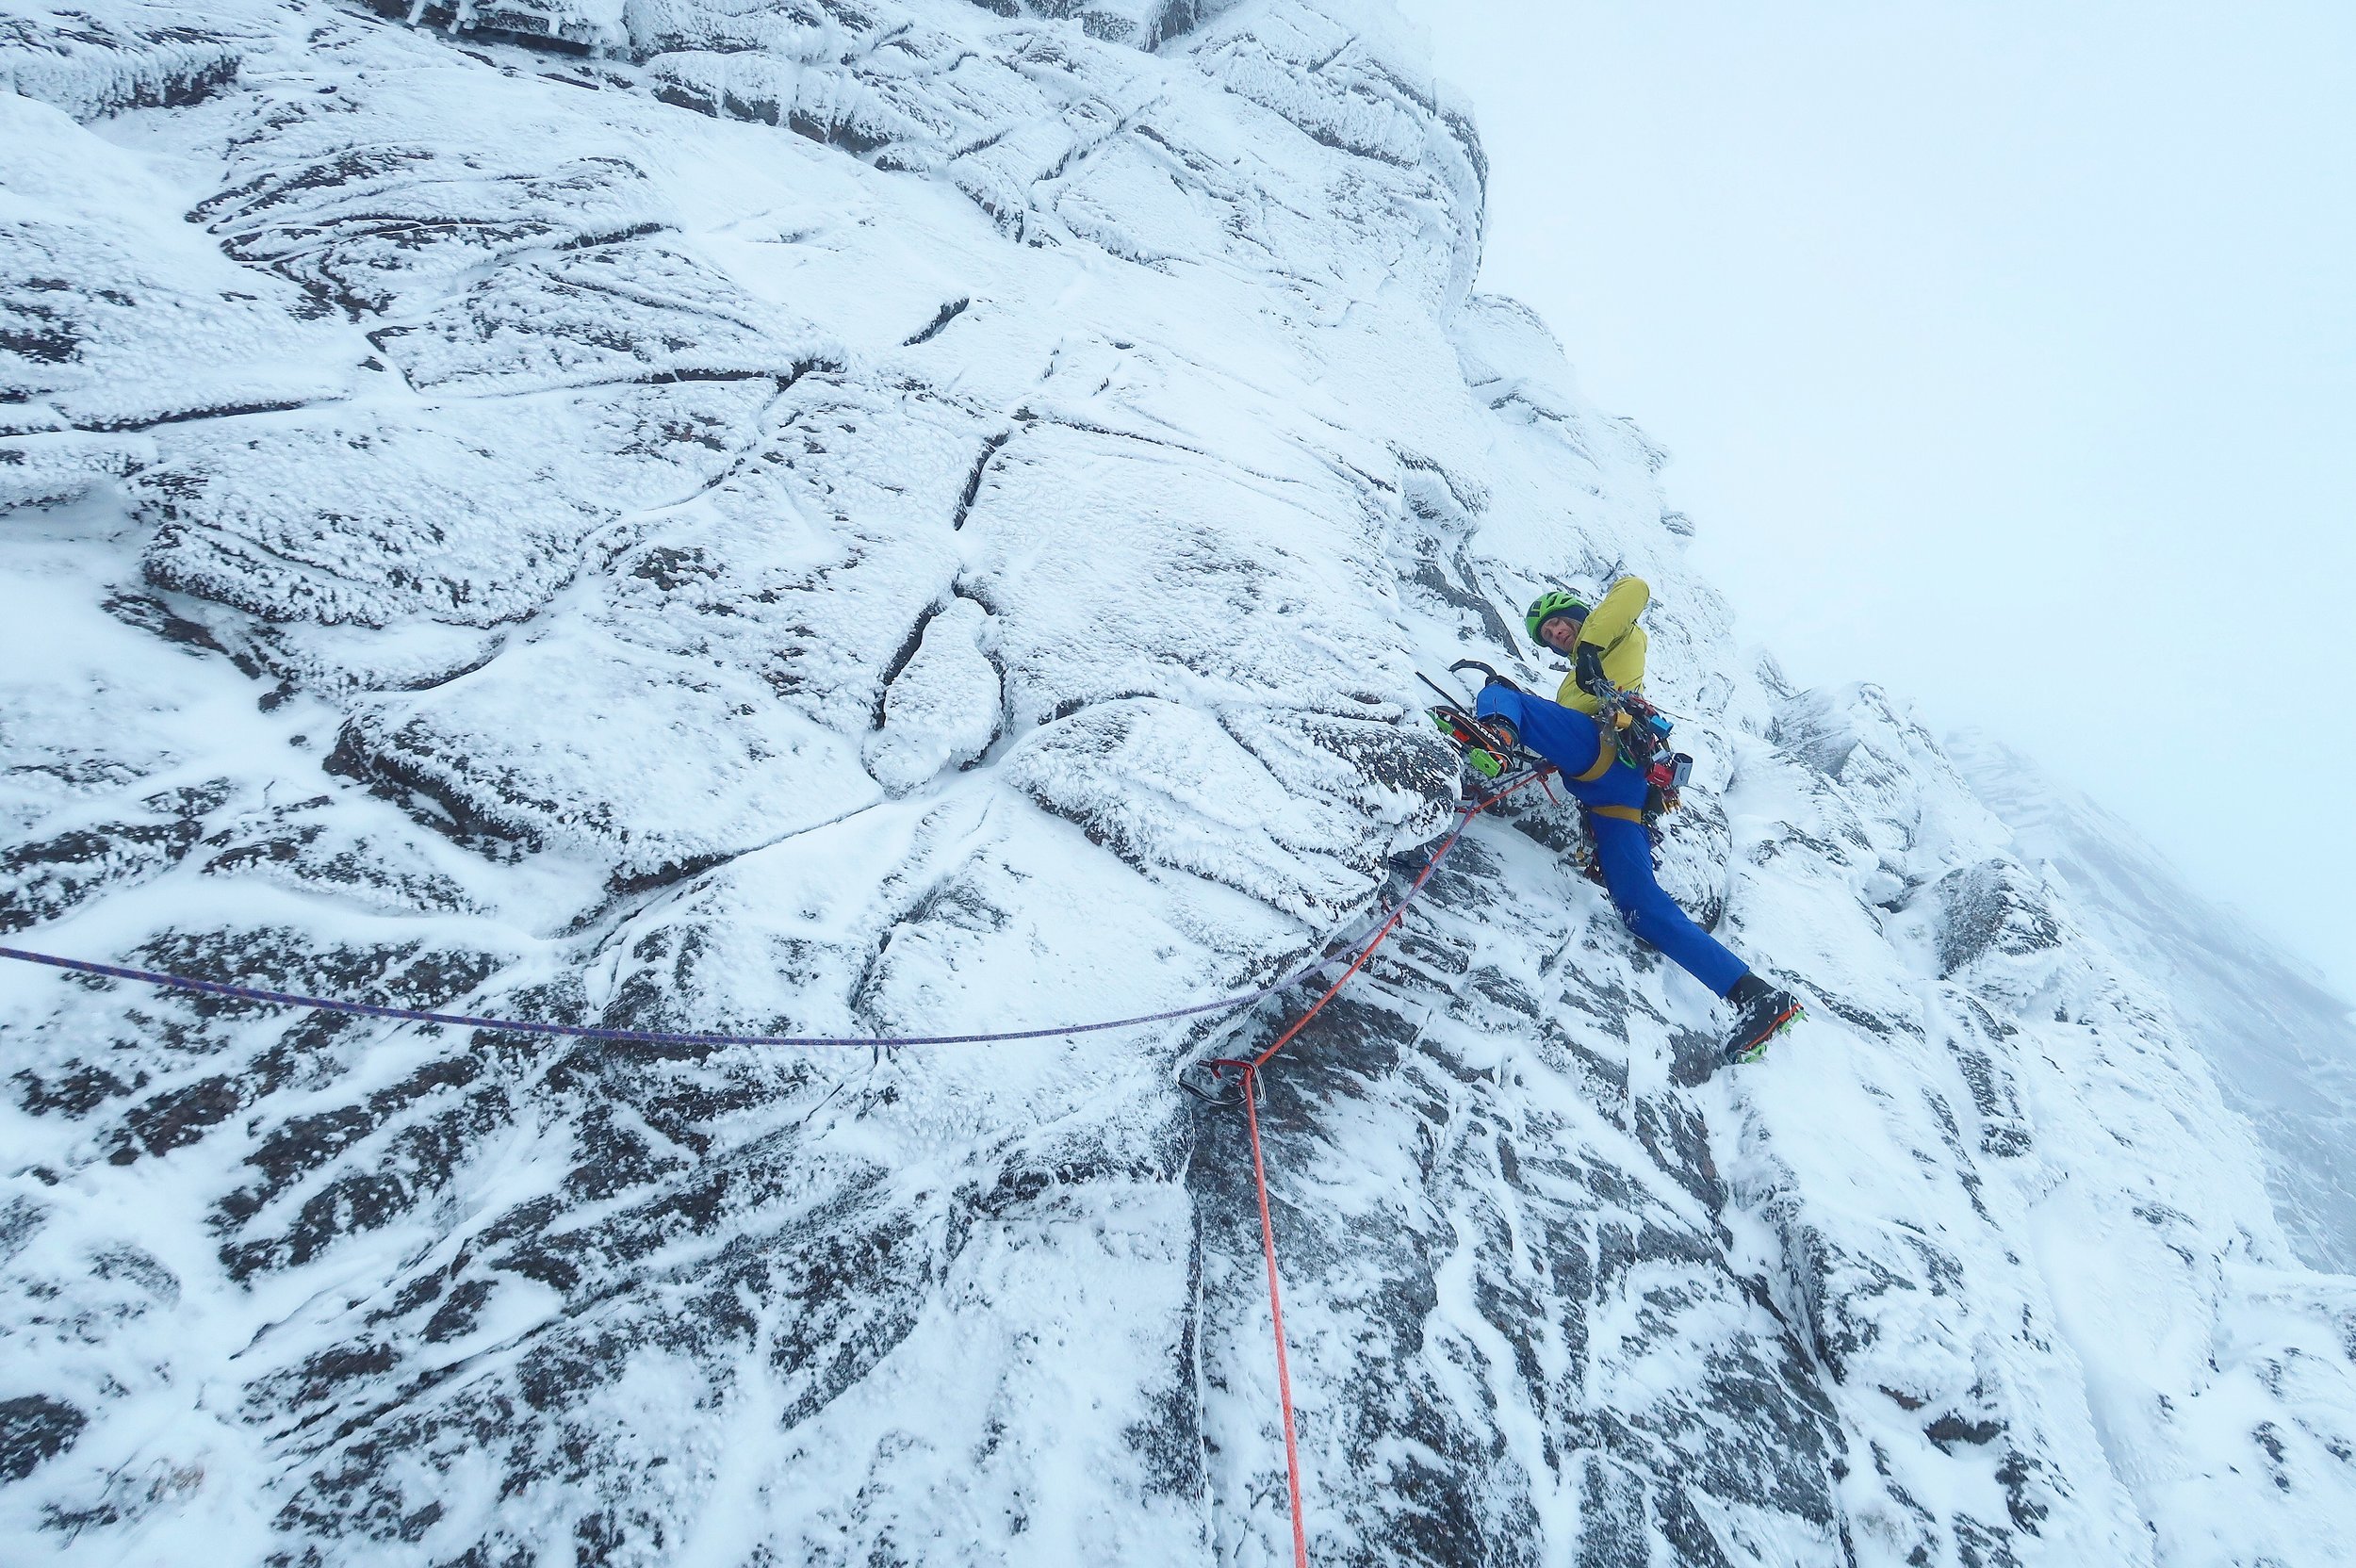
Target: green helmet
x,y
1552,604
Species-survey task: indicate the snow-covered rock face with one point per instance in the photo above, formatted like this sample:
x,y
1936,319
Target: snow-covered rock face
x,y
2284,1049
921,518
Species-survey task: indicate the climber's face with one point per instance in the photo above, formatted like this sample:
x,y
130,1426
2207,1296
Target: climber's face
x,y
1560,632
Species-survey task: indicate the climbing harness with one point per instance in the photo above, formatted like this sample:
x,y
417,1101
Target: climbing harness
x,y
1641,735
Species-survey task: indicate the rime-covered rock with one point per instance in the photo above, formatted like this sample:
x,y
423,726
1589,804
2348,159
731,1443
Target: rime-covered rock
x,y
93,61
922,518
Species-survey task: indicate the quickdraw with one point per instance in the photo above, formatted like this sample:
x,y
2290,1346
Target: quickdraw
x,y
1641,731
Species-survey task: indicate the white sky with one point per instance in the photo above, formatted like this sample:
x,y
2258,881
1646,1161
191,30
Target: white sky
x,y
2008,353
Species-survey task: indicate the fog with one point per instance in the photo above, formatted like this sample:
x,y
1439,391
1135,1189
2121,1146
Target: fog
x,y
2008,356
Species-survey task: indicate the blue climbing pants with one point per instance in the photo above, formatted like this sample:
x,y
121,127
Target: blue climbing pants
x,y
1572,742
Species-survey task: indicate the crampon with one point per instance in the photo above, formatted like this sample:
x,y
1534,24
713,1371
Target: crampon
x,y
1765,1017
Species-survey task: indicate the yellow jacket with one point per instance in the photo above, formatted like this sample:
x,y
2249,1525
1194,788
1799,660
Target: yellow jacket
x,y
1613,624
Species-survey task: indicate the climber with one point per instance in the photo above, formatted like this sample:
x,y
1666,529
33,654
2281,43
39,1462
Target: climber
x,y
1606,649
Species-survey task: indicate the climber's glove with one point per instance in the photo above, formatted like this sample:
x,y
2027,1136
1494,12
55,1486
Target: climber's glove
x,y
1587,669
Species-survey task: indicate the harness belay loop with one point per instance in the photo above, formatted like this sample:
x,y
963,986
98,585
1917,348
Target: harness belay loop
x,y
1643,742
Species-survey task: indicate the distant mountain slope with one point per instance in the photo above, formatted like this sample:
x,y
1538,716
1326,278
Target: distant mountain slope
x,y
2283,1047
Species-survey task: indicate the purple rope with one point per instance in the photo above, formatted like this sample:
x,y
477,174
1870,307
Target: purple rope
x,y
635,1037
647,1036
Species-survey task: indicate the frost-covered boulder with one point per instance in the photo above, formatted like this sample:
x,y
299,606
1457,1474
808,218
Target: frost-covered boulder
x,y
943,707
92,61
120,318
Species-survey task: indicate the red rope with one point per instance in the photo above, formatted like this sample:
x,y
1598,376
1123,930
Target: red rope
x,y
1276,1316
1259,1171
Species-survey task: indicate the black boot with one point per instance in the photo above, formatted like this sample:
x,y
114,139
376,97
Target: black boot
x,y
1761,1010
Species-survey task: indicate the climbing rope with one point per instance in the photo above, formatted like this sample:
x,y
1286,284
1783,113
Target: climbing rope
x,y
653,1036
1248,1070
633,1036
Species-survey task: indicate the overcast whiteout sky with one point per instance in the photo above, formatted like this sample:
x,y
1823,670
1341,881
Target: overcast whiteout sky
x,y
2007,351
